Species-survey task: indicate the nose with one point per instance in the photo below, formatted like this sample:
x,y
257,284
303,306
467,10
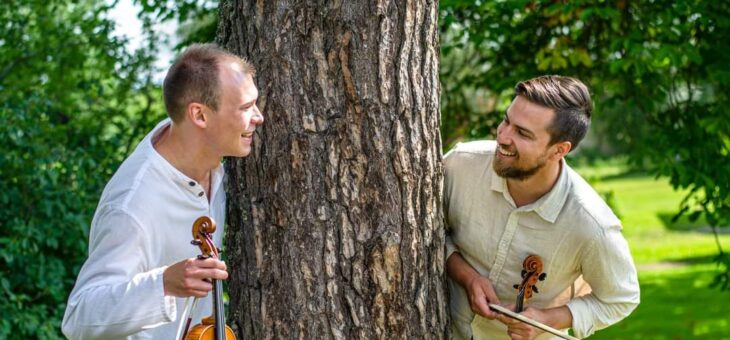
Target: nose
x,y
502,133
258,117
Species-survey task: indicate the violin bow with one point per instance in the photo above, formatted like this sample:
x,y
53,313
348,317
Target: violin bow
x,y
531,322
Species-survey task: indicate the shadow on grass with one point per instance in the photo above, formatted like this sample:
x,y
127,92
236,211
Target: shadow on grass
x,y
676,304
684,224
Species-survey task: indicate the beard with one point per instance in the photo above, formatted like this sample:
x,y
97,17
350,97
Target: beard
x,y
518,173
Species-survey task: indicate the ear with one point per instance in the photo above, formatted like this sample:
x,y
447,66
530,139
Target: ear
x,y
197,114
560,149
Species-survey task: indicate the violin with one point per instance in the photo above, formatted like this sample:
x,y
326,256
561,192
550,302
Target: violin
x,y
531,274
213,327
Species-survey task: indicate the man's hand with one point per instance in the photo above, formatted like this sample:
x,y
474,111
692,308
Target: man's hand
x,y
479,288
481,294
558,318
185,278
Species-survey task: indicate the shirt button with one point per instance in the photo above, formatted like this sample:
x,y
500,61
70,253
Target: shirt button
x,y
191,183
200,194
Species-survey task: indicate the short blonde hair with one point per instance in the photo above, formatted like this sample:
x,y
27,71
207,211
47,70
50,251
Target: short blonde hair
x,y
193,77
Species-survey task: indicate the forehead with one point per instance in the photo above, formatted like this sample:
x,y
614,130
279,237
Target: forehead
x,y
529,115
236,84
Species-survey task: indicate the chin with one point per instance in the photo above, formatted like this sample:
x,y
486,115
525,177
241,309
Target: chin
x,y
243,153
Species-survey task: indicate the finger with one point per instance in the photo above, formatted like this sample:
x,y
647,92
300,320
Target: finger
x,y
199,293
191,285
483,308
215,274
506,320
489,292
210,263
490,314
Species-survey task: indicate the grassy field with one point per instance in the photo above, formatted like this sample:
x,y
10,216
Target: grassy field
x,y
674,261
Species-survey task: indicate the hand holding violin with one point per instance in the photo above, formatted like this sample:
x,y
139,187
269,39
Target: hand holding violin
x,y
190,277
559,318
481,294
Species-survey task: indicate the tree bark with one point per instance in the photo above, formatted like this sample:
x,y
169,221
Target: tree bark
x,y
335,226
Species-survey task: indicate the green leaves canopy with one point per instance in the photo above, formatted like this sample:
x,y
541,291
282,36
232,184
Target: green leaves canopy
x,y
71,106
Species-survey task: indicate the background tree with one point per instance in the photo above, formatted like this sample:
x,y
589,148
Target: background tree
x,y
73,102
335,226
657,69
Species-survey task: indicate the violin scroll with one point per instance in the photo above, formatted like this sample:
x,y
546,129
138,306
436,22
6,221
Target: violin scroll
x,y
203,229
531,274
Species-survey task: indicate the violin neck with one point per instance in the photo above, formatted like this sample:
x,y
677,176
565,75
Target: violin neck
x,y
218,312
519,304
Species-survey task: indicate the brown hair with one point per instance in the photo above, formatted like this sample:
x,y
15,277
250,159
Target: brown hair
x,y
570,100
193,77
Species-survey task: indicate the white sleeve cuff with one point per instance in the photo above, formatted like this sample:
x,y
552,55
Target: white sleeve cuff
x,y
169,304
582,325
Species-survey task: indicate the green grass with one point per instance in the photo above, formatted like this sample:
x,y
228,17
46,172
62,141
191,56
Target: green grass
x,y
676,304
674,261
646,205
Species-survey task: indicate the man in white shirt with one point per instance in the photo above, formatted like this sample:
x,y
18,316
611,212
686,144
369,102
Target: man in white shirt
x,y
141,265
514,197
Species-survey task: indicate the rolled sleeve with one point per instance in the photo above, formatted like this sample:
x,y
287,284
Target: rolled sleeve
x,y
450,247
608,267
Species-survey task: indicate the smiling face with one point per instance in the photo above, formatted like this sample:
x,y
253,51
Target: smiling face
x,y
523,140
230,129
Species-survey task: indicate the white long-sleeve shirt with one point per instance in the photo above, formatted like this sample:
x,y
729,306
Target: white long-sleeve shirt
x,y
143,224
570,228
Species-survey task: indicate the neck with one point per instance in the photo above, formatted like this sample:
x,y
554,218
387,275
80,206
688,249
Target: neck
x,y
529,190
178,145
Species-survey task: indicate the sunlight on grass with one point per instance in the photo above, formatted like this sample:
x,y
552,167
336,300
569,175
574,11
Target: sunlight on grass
x,y
676,304
645,205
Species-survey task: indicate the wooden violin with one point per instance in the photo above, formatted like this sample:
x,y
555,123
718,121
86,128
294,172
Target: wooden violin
x,y
213,327
531,273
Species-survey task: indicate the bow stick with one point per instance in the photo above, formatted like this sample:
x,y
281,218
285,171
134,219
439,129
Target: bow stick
x,y
531,322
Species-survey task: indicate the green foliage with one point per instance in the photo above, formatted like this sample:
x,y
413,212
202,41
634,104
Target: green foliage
x,y
67,90
658,70
197,19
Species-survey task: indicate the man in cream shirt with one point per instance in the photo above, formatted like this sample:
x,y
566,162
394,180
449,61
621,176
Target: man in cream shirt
x,y
141,265
516,196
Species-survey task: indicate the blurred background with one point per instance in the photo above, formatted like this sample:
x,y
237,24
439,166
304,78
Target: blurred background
x,y
80,85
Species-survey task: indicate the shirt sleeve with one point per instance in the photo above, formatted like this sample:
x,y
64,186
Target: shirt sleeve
x,y
116,293
448,162
609,269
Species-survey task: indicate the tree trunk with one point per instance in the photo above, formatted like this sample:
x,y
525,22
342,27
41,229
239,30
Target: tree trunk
x,y
335,221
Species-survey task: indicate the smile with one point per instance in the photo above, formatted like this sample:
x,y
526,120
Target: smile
x,y
504,151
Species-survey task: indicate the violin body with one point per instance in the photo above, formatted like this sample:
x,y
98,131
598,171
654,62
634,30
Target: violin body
x,y
206,331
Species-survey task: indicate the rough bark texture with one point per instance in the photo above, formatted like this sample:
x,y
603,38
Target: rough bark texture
x,y
335,223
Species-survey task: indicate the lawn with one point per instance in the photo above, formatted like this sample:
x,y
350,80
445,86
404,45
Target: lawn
x,y
674,261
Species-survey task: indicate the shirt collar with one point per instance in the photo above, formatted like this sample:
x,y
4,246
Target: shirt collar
x,y
180,178
549,205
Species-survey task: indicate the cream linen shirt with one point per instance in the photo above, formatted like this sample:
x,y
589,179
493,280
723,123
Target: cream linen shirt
x,y
142,224
570,228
